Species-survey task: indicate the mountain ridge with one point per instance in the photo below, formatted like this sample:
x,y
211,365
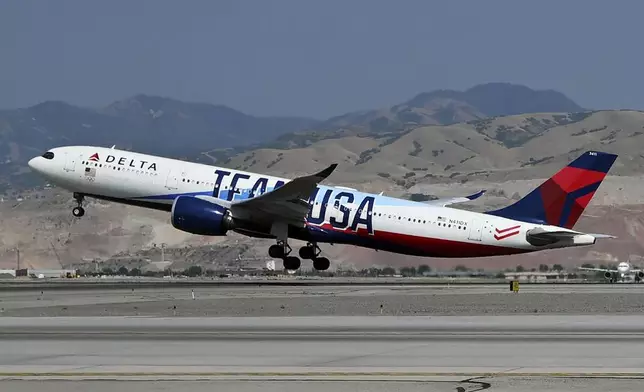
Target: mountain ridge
x,y
452,106
185,130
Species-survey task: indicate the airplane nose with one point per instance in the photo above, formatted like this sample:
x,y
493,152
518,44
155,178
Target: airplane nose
x,y
33,164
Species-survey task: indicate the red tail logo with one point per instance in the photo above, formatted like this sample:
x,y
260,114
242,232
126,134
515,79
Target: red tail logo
x,y
506,233
94,157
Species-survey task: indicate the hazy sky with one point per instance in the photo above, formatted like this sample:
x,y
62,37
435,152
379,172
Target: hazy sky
x,y
316,57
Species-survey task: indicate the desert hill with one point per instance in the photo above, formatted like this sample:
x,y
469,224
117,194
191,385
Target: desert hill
x,y
491,150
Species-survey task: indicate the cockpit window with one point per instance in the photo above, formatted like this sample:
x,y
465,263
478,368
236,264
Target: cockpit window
x,y
48,155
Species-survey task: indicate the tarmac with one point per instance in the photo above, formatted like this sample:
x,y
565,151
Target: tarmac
x,y
320,300
594,349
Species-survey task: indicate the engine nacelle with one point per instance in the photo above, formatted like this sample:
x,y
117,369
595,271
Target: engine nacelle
x,y
640,274
198,216
608,275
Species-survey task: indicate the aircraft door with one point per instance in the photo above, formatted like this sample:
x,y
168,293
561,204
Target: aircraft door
x,y
476,230
70,162
172,181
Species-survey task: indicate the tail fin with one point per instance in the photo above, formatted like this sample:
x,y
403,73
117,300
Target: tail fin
x,y
561,200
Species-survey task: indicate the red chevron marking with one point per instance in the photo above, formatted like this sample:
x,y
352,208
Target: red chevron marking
x,y
501,237
501,231
506,233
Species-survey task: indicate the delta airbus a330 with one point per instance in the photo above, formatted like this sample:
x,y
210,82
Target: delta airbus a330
x,y
209,200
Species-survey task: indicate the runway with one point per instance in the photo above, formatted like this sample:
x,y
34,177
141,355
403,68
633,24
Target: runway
x,y
380,338
403,349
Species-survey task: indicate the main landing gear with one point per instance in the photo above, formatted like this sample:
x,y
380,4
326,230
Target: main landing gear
x,y
309,252
79,210
282,251
312,252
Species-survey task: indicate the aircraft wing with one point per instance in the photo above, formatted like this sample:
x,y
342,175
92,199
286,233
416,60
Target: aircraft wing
x,y
442,202
630,271
288,203
596,269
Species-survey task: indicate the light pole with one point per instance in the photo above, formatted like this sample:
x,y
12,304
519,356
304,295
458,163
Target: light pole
x,y
17,258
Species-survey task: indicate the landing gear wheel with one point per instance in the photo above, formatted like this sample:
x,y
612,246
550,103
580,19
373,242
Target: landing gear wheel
x,y
310,251
276,251
321,263
291,263
279,250
306,252
78,212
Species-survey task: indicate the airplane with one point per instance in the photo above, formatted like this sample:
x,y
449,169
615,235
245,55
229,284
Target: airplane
x,y
623,269
209,200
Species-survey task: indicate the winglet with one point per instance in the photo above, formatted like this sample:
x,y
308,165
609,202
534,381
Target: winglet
x,y
326,172
476,195
443,202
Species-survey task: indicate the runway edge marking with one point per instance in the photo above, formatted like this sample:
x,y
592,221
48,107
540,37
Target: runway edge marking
x,y
6,375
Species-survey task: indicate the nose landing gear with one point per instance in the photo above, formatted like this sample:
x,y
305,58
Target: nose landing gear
x,y
78,211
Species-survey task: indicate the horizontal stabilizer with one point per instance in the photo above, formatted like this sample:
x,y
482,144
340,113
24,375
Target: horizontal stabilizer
x,y
602,235
539,237
453,200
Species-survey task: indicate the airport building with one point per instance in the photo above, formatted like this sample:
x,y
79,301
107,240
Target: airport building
x,y
536,276
7,272
46,273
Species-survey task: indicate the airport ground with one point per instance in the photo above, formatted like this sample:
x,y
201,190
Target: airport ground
x,y
270,338
317,299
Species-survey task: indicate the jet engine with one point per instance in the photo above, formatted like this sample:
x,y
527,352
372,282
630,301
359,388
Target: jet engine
x,y
640,274
608,275
199,216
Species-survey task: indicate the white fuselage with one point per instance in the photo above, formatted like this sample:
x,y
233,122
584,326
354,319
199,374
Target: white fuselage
x,y
352,217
